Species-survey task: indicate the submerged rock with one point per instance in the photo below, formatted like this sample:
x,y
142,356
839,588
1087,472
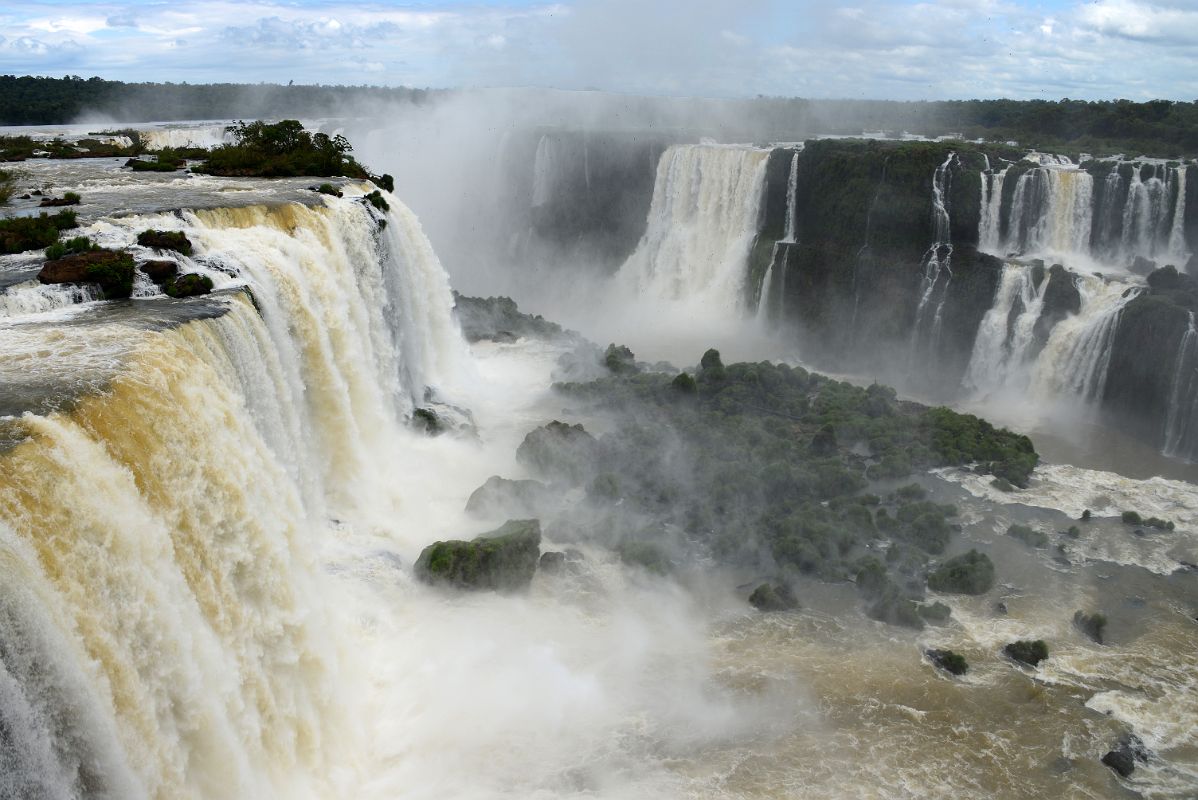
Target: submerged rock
x,y
504,559
1129,750
948,661
768,597
552,562
1090,624
1026,652
935,613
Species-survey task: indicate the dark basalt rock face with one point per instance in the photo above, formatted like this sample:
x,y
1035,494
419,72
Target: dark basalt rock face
x,y
1144,357
1061,298
863,227
504,559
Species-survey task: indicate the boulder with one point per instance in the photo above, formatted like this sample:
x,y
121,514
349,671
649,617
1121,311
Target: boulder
x,y
1123,757
947,660
768,597
559,452
189,285
111,269
552,562
514,498
1026,652
969,573
165,240
504,559
1142,266
159,271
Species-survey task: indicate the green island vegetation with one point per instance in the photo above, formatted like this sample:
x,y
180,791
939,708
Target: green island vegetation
x,y
1029,536
281,149
8,185
774,467
19,234
68,247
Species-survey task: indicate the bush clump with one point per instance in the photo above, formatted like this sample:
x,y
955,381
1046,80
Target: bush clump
x,y
281,149
1026,652
770,597
78,244
19,234
947,660
969,573
1029,536
377,200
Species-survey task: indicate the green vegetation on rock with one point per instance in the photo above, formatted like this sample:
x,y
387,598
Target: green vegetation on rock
x,y
504,559
165,240
968,573
947,660
281,149
189,285
19,234
1026,652
1092,625
770,597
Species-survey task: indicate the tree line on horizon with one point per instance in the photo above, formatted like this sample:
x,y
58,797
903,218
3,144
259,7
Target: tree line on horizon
x,y
1163,128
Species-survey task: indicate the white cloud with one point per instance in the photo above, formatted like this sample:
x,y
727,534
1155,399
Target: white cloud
x,y
871,48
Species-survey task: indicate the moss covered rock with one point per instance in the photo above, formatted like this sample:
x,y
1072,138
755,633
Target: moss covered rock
x,y
504,559
111,269
1092,625
513,498
165,240
190,285
559,452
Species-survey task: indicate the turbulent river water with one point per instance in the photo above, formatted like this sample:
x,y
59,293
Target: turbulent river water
x,y
209,509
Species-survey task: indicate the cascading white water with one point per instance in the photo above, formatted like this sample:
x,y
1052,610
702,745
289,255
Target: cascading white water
x,y
1054,214
989,232
703,220
1001,352
544,171
175,137
1181,424
32,297
1075,359
1072,366
162,635
792,183
937,262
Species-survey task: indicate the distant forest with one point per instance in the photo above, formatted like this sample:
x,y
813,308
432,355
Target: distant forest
x,y
58,101
1159,127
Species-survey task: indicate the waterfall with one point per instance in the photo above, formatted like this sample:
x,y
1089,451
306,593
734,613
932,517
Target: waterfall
x,y
1074,361
1177,233
989,233
1001,351
164,625
763,303
937,261
703,220
544,171
1181,424
792,182
1056,213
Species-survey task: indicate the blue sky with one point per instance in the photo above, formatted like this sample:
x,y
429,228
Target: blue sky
x,y
730,48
